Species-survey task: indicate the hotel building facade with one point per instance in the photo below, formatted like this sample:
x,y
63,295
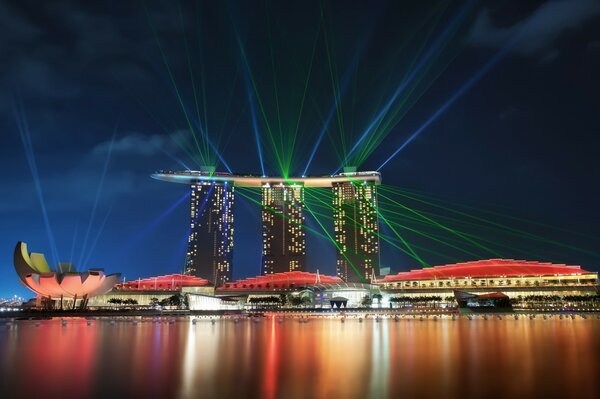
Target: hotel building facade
x,y
283,236
210,242
356,229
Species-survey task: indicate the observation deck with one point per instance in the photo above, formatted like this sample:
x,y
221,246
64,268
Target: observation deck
x,y
193,177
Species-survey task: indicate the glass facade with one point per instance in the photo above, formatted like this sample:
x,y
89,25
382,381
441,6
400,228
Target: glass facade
x,y
356,228
284,244
210,243
513,286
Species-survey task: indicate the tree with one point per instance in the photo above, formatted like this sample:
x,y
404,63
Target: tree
x,y
295,300
366,301
180,301
268,300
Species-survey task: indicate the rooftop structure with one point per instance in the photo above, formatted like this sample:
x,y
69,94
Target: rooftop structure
x,y
279,281
151,290
170,282
194,177
515,278
488,268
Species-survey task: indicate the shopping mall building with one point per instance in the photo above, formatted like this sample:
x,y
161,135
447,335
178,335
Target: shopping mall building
x,y
513,277
516,278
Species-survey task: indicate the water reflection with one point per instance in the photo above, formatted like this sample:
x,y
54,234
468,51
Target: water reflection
x,y
323,358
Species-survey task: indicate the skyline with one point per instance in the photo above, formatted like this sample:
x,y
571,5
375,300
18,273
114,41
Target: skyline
x,y
503,125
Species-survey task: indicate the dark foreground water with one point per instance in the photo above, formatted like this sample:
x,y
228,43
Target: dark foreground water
x,y
321,359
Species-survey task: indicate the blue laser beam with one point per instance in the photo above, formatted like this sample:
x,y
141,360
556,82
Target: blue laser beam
x,y
254,123
73,243
181,249
429,54
82,255
219,155
204,134
251,104
462,90
169,210
334,105
154,224
97,237
173,157
25,135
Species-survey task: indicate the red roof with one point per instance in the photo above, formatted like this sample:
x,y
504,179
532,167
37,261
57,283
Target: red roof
x,y
487,268
169,282
280,280
492,295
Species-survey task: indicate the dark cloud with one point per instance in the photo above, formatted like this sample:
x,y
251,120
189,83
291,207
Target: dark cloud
x,y
594,47
72,186
142,144
537,34
15,27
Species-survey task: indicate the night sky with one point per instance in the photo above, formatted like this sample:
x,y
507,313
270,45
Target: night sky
x,y
503,97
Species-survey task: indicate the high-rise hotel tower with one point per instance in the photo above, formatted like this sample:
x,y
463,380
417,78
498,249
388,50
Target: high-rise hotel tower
x,y
210,246
284,244
210,243
356,227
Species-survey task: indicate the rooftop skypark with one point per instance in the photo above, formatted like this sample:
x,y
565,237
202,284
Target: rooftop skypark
x,y
193,177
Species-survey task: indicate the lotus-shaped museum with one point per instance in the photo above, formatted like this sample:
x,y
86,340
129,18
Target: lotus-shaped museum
x,y
35,273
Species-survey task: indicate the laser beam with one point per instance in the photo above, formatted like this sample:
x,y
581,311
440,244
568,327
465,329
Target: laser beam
x,y
462,90
25,135
431,51
98,193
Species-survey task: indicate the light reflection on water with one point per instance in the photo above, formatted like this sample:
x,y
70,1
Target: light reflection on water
x,y
322,359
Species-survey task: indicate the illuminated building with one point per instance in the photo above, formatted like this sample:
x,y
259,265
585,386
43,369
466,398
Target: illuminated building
x,y
277,282
148,292
515,278
319,290
356,226
210,243
284,244
190,177
64,283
